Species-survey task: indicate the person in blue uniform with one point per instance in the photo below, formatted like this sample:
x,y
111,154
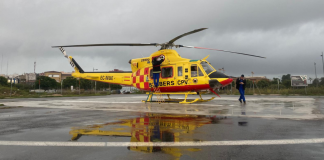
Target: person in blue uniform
x,y
156,62
240,85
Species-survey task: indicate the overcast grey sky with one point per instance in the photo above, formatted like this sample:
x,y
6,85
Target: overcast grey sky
x,y
289,33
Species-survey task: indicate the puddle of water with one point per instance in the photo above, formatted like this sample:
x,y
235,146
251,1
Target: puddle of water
x,y
149,127
264,107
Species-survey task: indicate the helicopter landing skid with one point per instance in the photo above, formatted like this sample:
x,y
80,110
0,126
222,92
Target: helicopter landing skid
x,y
201,100
183,101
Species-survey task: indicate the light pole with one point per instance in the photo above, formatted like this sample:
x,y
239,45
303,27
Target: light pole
x,y
315,74
61,86
310,80
95,81
11,84
222,69
252,81
323,63
79,86
278,82
231,88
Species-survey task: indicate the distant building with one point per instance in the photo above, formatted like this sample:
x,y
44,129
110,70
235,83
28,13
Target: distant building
x,y
254,79
66,74
127,88
116,70
30,78
13,78
58,76
22,79
54,75
257,79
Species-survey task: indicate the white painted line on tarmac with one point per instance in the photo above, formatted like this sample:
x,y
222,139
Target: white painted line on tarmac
x,y
200,104
163,144
97,102
193,104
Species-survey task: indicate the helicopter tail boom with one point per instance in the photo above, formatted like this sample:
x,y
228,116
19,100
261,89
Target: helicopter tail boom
x,y
107,77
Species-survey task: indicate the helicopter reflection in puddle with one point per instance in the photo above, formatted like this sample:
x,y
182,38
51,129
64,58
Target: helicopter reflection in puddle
x,y
150,127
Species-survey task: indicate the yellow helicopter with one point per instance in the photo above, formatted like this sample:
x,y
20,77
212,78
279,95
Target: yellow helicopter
x,y
178,75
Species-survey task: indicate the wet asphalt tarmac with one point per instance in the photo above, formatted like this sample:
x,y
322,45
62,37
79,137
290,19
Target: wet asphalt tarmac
x,y
120,119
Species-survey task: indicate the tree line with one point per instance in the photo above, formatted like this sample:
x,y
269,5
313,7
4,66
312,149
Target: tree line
x,y
284,82
47,83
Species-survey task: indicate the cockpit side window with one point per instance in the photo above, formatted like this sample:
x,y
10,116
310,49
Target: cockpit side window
x,y
208,69
200,73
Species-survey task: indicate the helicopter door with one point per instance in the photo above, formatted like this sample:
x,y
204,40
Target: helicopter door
x,y
196,75
179,72
181,77
167,76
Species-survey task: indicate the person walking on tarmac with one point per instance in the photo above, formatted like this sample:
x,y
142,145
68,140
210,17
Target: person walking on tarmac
x,y
240,85
156,62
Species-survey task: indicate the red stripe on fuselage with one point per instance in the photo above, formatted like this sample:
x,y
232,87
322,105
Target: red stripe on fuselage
x,y
184,88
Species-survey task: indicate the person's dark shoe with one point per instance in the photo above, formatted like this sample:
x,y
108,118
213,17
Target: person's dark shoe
x,y
240,100
244,102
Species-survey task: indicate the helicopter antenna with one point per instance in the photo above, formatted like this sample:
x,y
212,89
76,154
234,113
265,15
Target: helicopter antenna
x,y
142,54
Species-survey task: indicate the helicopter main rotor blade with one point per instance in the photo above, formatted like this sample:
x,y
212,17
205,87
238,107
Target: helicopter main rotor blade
x,y
185,34
222,51
111,44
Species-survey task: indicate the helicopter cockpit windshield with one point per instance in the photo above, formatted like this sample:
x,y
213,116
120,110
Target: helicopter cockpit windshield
x,y
208,69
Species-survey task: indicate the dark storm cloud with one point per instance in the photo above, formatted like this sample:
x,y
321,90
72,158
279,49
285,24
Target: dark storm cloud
x,y
288,33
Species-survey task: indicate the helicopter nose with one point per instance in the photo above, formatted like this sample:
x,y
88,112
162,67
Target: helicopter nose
x,y
214,83
218,75
219,82
226,81
218,79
